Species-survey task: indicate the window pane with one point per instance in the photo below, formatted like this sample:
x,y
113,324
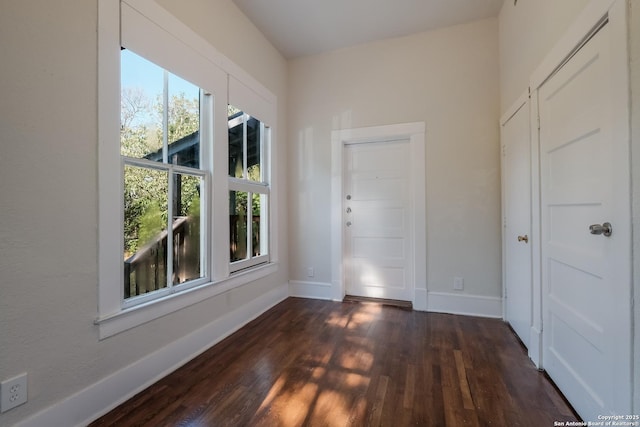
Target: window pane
x,y
159,114
259,224
253,149
238,224
145,230
187,242
236,142
140,120
183,123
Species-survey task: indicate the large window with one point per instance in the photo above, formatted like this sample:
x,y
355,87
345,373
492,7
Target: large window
x,y
166,197
165,191
248,190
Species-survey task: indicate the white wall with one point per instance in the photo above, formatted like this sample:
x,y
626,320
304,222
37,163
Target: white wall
x,y
447,78
48,198
528,30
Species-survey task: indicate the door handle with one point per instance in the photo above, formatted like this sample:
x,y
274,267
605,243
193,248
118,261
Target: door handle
x,y
604,229
524,238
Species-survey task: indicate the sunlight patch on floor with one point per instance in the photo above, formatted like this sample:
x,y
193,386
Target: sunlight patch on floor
x,y
333,407
273,393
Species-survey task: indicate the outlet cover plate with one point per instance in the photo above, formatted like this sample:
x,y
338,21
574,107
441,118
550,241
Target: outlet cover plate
x,y
13,392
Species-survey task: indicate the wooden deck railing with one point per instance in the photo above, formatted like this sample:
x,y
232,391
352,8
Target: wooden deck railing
x,y
239,251
146,270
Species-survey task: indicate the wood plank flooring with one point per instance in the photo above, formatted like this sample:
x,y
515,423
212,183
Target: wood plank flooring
x,y
322,363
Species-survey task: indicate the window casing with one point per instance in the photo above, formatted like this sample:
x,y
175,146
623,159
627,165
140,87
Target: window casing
x,y
148,30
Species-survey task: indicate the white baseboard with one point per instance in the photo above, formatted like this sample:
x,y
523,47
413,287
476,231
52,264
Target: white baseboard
x,y
314,290
535,347
101,397
420,302
469,305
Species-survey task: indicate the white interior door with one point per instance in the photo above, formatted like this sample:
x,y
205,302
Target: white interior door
x,y
585,277
378,220
517,221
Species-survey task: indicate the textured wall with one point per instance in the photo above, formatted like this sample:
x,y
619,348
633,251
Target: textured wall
x,y
528,30
447,78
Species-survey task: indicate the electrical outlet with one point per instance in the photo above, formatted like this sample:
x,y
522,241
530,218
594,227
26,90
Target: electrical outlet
x,y
458,283
310,272
13,392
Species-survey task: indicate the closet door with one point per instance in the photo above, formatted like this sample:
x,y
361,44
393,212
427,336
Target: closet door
x,y
585,230
516,167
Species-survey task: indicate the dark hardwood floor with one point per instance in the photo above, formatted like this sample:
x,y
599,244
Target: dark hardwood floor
x,y
322,363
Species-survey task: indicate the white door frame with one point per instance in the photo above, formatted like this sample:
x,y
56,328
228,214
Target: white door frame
x,y
596,12
534,346
415,133
535,338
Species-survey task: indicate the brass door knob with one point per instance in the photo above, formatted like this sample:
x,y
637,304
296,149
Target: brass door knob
x,y
524,238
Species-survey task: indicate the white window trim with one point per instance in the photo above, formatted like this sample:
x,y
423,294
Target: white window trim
x,y
128,318
113,317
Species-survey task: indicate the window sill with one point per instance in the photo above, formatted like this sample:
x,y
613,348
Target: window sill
x,y
114,323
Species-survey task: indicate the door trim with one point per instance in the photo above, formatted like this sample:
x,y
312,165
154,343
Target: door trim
x,y
415,133
532,343
534,346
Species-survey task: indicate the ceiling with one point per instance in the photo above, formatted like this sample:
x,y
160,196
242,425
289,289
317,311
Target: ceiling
x,y
306,27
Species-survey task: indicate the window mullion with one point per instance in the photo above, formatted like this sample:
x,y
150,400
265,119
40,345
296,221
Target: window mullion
x,y
170,196
245,167
206,132
165,117
264,225
263,173
249,225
